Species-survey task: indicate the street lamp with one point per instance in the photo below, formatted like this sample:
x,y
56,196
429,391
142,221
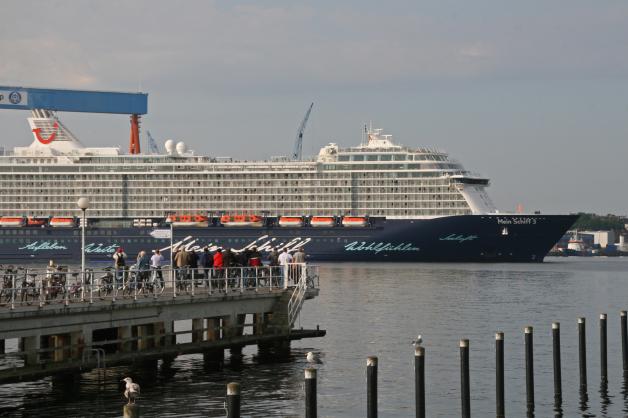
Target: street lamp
x,y
83,204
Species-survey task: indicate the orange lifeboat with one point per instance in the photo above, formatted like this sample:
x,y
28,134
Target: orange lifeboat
x,y
318,221
12,221
36,221
62,222
188,220
294,221
354,221
241,220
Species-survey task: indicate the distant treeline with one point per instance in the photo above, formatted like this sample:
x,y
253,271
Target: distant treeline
x,y
591,221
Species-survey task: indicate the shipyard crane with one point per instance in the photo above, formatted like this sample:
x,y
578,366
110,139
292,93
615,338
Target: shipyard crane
x,y
152,145
298,144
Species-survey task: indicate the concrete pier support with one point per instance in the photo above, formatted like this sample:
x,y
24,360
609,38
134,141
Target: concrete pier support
x,y
258,323
30,344
77,344
213,329
144,334
197,329
125,333
61,345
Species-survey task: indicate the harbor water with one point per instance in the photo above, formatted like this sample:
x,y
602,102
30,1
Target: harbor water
x,y
378,309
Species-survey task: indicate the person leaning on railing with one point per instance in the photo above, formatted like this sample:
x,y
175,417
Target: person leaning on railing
x,y
155,265
206,262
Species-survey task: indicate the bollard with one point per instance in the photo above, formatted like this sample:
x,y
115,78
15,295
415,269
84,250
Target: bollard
x,y
233,400
499,375
419,380
624,340
582,353
465,389
310,393
558,390
371,387
130,411
603,351
529,340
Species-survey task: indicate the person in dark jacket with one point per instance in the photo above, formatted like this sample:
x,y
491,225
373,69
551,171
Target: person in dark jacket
x,y
273,262
206,262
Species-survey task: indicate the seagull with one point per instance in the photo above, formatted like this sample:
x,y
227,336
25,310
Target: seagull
x,y
418,341
312,358
132,390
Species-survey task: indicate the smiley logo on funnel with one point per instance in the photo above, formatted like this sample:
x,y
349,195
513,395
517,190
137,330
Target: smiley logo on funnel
x,y
53,135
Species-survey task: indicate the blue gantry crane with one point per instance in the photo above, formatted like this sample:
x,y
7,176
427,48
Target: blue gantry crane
x,y
298,144
53,100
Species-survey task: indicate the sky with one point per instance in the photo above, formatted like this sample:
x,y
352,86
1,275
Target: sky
x,y
532,94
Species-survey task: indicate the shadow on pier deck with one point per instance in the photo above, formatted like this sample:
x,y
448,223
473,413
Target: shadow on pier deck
x,y
77,336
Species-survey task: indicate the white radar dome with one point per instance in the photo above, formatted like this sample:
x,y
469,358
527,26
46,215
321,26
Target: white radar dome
x,y
169,146
181,148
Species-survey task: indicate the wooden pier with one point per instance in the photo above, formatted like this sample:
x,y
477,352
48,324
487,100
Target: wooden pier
x,y
229,312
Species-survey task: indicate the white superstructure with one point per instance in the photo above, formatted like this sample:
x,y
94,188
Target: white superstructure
x,y
377,178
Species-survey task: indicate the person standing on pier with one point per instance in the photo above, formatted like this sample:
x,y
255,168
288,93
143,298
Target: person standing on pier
x,y
119,263
218,265
143,269
285,258
155,264
273,262
299,257
206,262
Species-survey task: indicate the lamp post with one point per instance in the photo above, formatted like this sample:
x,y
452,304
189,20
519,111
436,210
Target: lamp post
x,y
83,204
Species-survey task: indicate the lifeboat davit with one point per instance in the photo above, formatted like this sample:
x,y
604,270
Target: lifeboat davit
x,y
12,221
318,221
354,221
241,220
62,222
36,221
294,221
188,220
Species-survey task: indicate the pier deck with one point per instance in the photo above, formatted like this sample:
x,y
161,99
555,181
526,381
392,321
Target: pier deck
x,y
79,331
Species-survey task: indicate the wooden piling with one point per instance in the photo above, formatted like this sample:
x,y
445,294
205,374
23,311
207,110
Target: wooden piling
x,y
131,411
582,353
310,393
371,387
624,340
465,389
233,400
603,350
558,390
499,375
419,381
529,358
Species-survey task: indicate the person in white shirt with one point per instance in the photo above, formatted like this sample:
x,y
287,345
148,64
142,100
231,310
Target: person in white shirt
x,y
155,265
285,258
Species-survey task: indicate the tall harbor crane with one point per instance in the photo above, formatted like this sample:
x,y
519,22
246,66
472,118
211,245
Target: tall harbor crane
x,y
153,148
298,144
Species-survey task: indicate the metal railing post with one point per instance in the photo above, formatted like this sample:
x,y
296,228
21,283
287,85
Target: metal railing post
x,y
12,290
193,280
91,288
83,286
174,281
241,279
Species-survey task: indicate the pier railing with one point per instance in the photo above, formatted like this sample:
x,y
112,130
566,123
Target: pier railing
x,y
21,287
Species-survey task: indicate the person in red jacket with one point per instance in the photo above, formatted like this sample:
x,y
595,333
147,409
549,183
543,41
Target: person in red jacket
x,y
218,263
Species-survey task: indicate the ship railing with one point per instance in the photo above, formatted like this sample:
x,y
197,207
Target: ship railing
x,y
23,287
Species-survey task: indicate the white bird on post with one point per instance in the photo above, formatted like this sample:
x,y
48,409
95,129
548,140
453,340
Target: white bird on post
x,y
418,341
132,390
312,357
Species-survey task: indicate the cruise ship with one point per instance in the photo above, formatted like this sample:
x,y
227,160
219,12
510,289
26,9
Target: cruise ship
x,y
378,201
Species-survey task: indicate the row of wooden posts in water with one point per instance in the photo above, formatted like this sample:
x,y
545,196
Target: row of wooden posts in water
x,y
234,396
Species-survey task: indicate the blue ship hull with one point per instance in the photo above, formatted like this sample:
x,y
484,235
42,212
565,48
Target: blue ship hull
x,y
464,238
